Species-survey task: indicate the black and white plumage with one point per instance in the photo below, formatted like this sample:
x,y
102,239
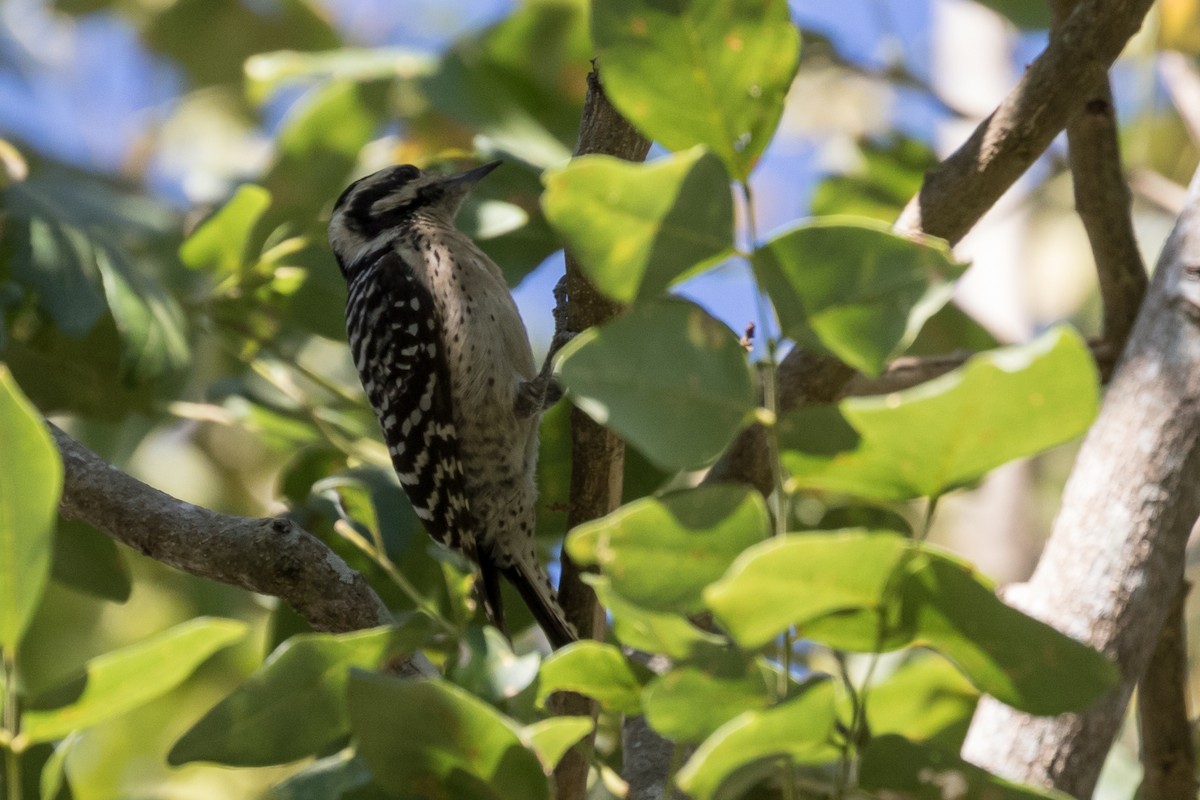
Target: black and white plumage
x,y
446,364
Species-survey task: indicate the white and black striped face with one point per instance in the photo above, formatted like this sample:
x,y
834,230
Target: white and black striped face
x,y
380,203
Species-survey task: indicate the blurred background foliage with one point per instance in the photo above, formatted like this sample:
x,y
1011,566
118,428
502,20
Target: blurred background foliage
x,y
166,293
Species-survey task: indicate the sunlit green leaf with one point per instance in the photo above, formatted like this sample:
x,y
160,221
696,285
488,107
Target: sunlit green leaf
x,y
666,376
688,704
711,73
855,288
124,679
266,72
653,631
597,670
464,750
893,765
221,244
636,228
552,738
660,553
794,579
801,730
295,704
31,477
925,441
880,592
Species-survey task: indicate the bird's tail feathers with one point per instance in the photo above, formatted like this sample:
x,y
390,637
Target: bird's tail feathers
x,y
532,582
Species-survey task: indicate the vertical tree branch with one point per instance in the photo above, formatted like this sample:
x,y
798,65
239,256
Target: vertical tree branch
x,y
1102,200
1168,755
597,454
1111,568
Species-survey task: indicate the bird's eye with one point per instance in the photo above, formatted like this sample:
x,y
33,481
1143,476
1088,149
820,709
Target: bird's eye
x,y
405,173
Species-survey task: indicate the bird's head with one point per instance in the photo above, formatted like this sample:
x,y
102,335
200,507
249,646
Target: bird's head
x,y
389,198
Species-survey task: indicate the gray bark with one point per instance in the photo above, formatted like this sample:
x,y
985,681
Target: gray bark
x,y
1112,567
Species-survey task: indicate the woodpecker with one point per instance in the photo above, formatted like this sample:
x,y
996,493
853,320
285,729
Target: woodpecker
x,y
445,361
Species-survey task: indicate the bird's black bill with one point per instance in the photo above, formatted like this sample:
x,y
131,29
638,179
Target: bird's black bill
x,y
472,177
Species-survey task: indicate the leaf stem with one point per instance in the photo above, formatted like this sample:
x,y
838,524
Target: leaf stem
x,y
380,557
780,500
12,724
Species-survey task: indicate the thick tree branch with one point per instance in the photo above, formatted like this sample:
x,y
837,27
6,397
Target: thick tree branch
x,y
597,454
969,182
272,556
1111,569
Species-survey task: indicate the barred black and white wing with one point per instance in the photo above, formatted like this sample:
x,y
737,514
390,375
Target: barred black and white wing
x,y
393,332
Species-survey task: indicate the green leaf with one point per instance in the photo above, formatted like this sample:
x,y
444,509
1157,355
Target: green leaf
x,y
88,561
221,244
150,323
318,146
948,330
711,73
893,765
325,778
594,669
1018,660
552,738
59,261
636,228
181,29
520,82
926,699
800,729
53,780
688,704
31,477
881,592
854,288
488,668
949,432
1028,15
667,377
794,579
890,174
660,553
295,704
653,631
464,750
124,679
266,72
